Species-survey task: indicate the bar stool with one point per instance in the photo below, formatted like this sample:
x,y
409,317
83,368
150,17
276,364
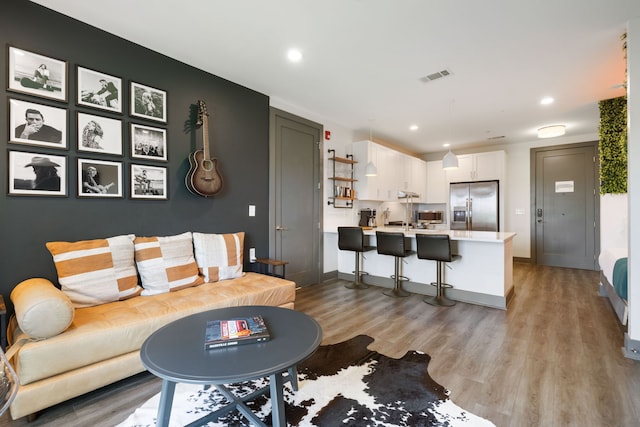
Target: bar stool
x,y
436,247
352,239
394,244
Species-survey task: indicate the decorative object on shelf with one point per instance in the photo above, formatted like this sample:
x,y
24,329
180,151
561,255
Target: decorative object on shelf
x,y
203,178
551,131
450,161
342,185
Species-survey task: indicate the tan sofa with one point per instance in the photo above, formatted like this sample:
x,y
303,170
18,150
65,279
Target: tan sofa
x,y
102,343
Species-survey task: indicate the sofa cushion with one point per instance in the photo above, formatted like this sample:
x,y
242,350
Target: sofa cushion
x,y
41,309
109,330
219,256
93,272
166,263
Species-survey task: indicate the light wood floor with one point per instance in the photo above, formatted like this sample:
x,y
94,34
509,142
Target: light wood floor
x,y
552,359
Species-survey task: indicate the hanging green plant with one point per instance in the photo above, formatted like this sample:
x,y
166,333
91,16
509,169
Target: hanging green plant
x,y
613,145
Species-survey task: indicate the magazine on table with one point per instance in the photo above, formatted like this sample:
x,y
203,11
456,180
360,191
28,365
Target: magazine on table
x,y
237,331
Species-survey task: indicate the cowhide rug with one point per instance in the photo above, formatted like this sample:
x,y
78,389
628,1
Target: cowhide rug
x,y
342,384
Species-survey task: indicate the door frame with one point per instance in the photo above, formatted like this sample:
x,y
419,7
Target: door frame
x,y
532,194
274,113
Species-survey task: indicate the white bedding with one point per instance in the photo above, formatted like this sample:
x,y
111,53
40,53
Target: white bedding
x,y
608,258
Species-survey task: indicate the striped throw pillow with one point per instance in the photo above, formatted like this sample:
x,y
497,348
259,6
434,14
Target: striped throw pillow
x,y
166,263
94,272
219,256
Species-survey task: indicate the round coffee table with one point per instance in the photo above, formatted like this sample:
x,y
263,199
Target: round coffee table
x,y
176,354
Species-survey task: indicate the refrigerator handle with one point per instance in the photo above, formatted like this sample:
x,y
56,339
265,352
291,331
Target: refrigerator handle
x,y
469,213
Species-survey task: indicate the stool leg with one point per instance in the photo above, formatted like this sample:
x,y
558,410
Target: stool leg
x,y
357,283
397,290
439,299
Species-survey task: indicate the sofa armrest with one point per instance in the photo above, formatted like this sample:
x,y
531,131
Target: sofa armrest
x,y
41,309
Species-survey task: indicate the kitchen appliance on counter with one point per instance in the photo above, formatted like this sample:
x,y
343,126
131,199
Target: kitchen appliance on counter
x,y
367,218
474,205
426,218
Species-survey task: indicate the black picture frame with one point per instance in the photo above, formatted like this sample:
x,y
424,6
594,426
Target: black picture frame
x,y
148,102
99,134
26,116
36,74
98,90
106,182
36,174
148,142
149,182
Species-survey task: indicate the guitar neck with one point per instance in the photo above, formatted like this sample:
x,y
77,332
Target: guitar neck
x,y
205,137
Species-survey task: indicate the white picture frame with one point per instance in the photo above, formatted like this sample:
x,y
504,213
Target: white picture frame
x,y
36,74
51,123
99,134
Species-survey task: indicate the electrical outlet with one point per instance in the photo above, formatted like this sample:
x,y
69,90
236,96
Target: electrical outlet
x,y
252,255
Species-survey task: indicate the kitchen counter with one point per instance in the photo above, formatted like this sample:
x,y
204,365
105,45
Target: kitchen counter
x,y
483,275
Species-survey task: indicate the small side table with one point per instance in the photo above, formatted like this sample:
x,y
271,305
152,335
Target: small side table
x,y
268,266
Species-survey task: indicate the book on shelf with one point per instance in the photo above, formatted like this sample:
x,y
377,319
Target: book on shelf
x,y
231,332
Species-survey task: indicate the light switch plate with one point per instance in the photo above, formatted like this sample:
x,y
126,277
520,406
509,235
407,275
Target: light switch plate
x,y
252,254
252,210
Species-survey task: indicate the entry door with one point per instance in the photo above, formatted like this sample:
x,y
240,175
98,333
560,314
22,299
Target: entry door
x,y
296,196
566,206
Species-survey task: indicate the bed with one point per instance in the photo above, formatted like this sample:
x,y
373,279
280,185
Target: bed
x,y
613,279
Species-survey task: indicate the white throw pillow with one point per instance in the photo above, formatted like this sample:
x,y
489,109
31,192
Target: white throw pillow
x,y
219,256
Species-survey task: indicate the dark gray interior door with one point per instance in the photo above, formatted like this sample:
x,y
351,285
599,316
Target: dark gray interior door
x,y
296,196
566,206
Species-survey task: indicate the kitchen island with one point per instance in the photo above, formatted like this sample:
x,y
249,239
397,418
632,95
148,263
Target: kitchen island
x,y
483,275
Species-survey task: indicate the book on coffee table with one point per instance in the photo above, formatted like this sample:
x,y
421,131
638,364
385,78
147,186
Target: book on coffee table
x,y
230,332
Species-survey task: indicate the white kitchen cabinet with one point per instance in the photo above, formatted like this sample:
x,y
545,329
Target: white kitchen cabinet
x,y
478,167
396,172
437,188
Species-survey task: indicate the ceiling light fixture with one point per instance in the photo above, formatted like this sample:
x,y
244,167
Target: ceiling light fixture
x,y
371,169
413,127
294,55
551,131
450,161
546,101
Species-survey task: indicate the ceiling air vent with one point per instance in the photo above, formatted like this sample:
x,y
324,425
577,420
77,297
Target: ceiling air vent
x,y
436,76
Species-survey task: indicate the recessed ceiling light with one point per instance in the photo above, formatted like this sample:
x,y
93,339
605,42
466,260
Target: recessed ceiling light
x,y
546,101
446,144
413,127
294,55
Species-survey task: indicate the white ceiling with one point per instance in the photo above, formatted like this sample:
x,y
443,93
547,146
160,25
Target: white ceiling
x,y
363,59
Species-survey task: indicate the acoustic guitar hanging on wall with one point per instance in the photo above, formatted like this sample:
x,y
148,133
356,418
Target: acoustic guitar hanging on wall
x,y
203,178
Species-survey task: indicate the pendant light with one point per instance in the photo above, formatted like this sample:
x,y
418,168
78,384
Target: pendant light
x,y
371,169
450,160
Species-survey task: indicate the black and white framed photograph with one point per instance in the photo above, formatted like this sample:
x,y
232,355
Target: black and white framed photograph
x,y
33,174
99,134
148,142
37,124
37,74
148,102
99,178
148,182
99,90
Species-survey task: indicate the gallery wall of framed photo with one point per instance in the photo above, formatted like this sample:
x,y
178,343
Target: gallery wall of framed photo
x,y
144,148
40,120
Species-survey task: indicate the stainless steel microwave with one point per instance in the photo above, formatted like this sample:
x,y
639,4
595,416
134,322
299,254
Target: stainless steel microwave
x,y
429,217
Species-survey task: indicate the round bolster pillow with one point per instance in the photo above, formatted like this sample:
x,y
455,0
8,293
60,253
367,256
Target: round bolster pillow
x,y
42,310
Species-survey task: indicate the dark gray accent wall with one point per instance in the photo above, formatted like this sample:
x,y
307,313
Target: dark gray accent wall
x,y
239,131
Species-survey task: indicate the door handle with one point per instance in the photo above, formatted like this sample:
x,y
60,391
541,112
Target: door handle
x,y
539,214
280,228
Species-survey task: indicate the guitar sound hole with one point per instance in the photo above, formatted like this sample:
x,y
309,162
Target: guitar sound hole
x,y
207,165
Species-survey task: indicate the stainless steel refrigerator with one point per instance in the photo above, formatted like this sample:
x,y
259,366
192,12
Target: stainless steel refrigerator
x,y
474,206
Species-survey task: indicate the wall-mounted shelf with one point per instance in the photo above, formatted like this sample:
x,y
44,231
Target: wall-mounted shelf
x,y
343,191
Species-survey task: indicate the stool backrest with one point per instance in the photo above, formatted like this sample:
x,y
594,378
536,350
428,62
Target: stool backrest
x,y
351,239
436,247
391,243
